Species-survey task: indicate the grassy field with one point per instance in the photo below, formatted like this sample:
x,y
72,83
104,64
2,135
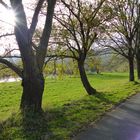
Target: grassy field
x,y
67,107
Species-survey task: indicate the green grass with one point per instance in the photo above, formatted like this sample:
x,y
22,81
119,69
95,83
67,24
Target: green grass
x,y
67,106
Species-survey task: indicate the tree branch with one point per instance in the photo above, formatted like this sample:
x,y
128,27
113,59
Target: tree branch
x,y
35,18
42,50
12,66
7,34
4,4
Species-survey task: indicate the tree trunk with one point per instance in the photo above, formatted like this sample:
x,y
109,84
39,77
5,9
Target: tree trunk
x,y
54,72
90,90
97,70
131,69
33,87
138,62
33,80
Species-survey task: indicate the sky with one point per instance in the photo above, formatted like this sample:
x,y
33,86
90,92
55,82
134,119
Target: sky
x,y
7,25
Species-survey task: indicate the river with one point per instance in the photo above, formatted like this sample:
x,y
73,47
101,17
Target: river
x,y
9,79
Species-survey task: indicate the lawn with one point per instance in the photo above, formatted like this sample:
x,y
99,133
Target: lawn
x,y
67,107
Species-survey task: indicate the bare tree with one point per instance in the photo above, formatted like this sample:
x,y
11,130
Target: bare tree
x,y
122,30
32,59
77,27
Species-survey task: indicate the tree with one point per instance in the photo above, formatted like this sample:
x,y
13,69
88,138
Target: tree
x,y
121,33
32,58
117,63
76,31
138,41
94,63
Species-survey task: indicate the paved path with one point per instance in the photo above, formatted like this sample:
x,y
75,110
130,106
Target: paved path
x,y
121,124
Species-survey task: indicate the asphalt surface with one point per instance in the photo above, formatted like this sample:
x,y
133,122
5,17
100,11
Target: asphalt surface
x,y
123,123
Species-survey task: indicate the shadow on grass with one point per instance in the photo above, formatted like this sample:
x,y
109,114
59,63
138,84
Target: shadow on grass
x,y
57,123
27,126
104,97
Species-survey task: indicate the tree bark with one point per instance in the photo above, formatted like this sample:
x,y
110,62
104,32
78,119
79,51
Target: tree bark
x,y
33,87
138,62
138,67
54,72
131,69
90,90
